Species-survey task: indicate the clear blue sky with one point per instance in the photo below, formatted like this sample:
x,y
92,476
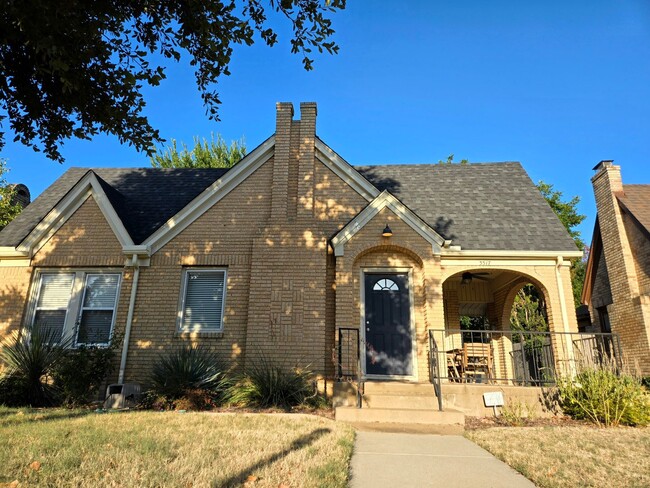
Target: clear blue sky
x,y
556,85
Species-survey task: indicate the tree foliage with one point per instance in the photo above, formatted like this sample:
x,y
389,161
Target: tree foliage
x,y
528,311
9,209
73,69
567,211
450,160
205,154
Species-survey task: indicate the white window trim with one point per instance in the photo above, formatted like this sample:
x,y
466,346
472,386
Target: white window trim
x,y
181,306
75,302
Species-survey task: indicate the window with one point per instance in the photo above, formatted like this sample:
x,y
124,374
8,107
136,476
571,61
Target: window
x,y
204,294
79,305
385,285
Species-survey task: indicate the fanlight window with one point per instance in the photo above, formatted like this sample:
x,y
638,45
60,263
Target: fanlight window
x,y
385,285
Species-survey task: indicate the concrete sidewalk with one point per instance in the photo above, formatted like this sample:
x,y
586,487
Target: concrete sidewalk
x,y
420,460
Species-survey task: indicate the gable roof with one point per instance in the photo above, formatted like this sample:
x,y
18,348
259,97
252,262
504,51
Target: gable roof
x,y
479,206
486,206
636,200
143,198
386,200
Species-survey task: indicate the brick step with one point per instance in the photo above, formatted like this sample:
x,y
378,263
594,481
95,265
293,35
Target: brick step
x,y
406,402
399,416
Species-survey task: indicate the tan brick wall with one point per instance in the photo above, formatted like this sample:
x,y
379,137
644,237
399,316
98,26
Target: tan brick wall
x,y
14,289
630,311
640,245
85,239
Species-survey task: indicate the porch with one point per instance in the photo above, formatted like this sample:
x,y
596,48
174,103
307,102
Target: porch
x,y
466,363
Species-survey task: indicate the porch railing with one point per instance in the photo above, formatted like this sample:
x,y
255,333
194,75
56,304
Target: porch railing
x,y
348,360
519,358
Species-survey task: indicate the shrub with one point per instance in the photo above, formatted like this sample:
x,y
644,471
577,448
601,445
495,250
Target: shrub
x,y
82,371
194,374
267,384
30,360
605,398
517,413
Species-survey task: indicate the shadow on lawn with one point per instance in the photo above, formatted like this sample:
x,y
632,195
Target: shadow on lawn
x,y
10,418
299,443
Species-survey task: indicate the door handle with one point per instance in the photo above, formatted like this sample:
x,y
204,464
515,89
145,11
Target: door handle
x,y
367,329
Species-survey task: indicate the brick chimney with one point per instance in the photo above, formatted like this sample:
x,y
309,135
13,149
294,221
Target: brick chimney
x,y
293,163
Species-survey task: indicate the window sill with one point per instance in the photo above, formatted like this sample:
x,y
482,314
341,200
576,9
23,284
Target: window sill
x,y
187,334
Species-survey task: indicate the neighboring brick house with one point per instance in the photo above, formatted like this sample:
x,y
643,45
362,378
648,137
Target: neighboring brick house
x,y
275,255
617,281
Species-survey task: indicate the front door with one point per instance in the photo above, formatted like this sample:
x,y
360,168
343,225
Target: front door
x,y
388,335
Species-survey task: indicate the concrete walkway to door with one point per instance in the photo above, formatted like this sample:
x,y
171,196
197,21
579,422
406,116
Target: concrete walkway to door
x,y
382,460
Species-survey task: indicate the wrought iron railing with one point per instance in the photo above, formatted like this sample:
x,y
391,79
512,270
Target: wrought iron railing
x,y
520,358
348,361
434,368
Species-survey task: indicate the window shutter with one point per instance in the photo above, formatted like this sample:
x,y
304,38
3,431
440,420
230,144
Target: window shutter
x,y
203,306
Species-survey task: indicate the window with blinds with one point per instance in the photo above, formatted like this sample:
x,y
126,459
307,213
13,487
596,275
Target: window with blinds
x,y
51,309
98,308
203,300
77,304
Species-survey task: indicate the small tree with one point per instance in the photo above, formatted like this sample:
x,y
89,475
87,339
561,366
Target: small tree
x,y
212,154
9,208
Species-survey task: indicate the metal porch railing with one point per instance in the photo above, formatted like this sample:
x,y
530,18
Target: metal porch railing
x,y
520,358
348,360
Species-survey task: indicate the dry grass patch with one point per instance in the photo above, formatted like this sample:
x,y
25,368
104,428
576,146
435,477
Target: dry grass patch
x,y
146,449
572,456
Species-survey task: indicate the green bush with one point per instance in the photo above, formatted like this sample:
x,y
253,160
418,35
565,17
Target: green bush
x,y
267,384
605,398
30,360
194,374
82,371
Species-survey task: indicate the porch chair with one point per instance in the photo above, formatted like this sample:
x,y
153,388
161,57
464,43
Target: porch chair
x,y
477,361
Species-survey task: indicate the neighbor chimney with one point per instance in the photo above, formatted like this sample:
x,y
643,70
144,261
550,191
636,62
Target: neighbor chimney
x,y
306,157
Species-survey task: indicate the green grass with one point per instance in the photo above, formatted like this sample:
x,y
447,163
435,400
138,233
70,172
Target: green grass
x,y
146,449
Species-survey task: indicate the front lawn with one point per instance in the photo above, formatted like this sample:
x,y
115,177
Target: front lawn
x,y
82,448
572,456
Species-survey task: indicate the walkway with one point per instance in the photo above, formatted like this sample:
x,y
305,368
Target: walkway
x,y
383,460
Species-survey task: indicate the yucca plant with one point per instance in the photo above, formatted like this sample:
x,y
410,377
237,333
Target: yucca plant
x,y
187,369
266,384
29,361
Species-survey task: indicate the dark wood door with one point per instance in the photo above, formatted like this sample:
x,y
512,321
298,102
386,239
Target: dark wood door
x,y
389,344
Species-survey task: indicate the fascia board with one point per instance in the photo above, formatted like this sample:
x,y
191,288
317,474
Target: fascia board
x,y
512,254
86,187
345,171
211,195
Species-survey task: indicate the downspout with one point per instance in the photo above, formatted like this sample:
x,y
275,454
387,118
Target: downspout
x,y
129,318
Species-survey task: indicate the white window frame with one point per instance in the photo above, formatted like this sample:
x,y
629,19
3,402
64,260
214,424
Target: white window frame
x,y
181,308
75,302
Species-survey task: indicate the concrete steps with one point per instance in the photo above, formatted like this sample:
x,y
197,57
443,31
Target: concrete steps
x,y
393,402
399,416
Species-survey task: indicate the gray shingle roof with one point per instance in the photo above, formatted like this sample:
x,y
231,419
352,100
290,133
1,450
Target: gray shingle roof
x,y
636,198
485,206
493,206
144,198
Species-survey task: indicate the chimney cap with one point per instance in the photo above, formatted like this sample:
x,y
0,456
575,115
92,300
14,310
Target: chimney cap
x,y
605,163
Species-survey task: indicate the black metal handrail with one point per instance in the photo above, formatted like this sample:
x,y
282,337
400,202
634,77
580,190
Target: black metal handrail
x,y
525,358
348,363
434,369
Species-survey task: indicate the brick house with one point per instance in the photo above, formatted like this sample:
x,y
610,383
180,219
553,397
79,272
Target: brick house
x,y
280,254
617,281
